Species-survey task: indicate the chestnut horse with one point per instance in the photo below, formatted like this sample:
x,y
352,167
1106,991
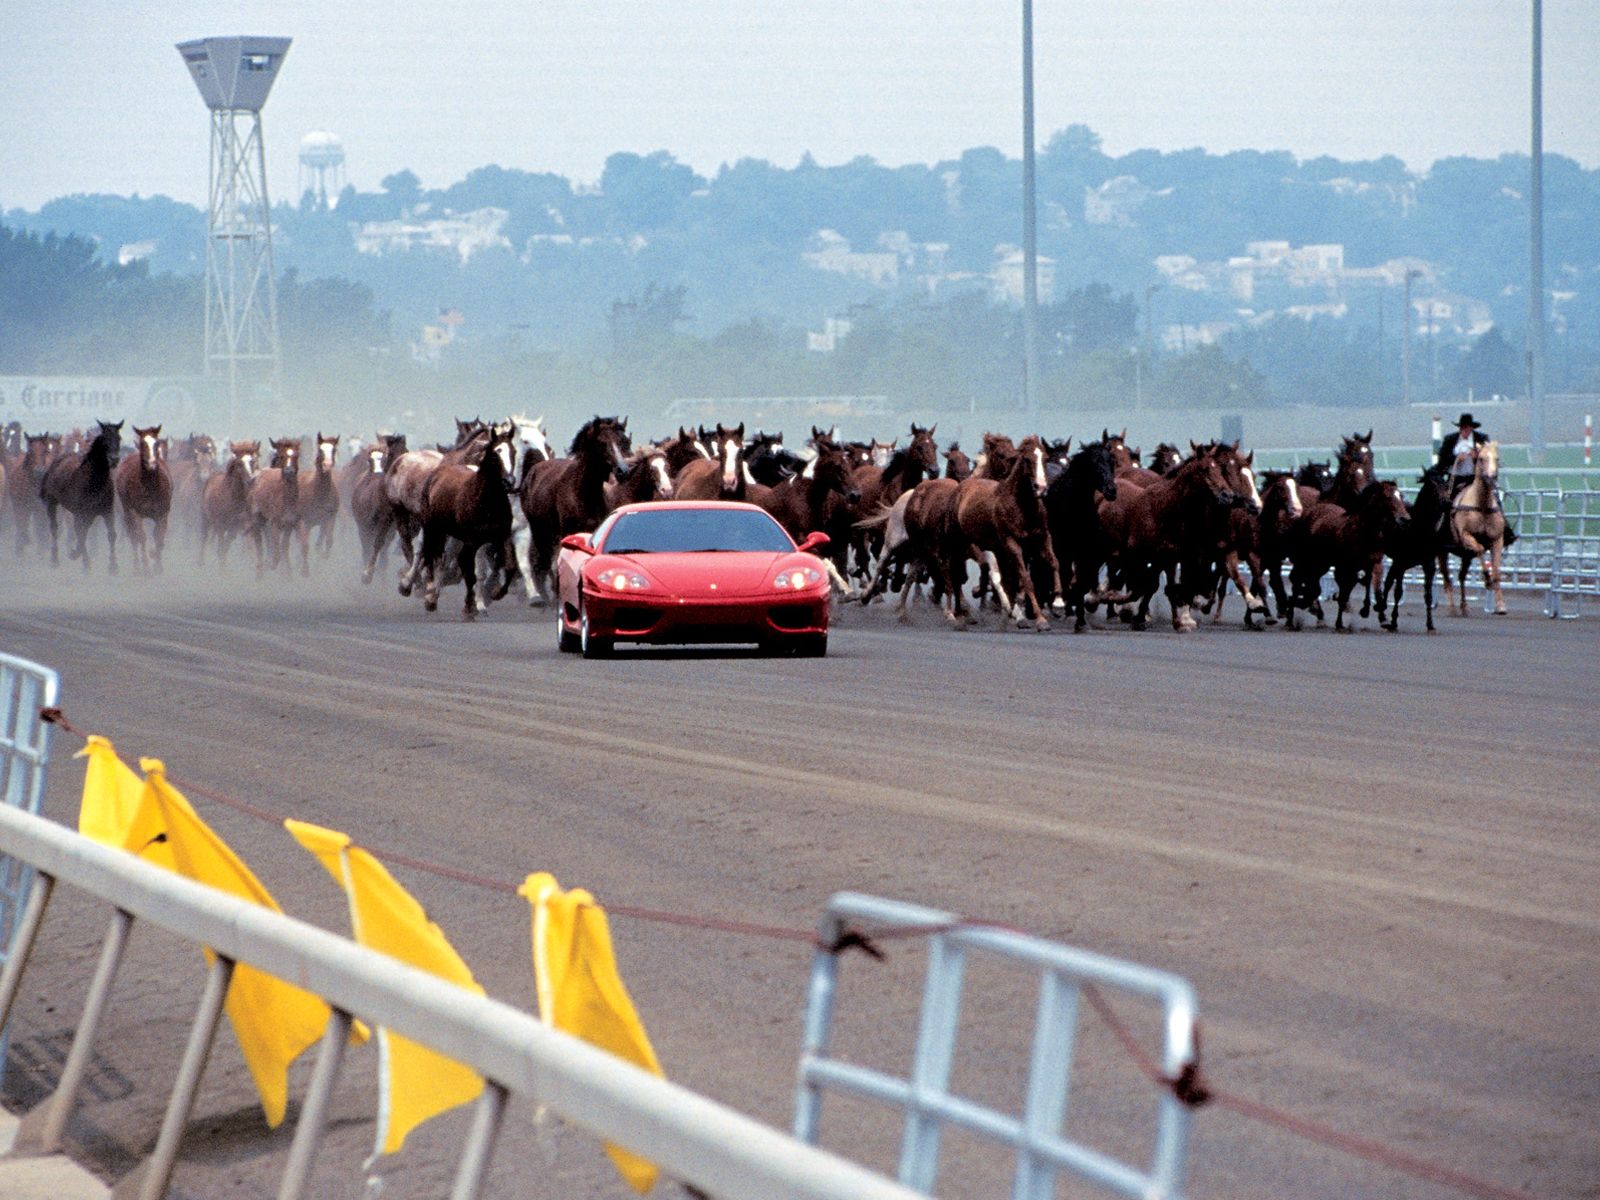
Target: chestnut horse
x,y
644,478
472,505
721,477
81,483
274,505
1349,542
1002,524
404,482
374,515
25,478
225,501
319,500
144,489
802,504
567,495
881,486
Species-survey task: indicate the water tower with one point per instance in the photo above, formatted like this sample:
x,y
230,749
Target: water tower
x,y
234,75
321,166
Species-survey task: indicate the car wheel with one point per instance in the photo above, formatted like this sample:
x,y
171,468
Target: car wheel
x,y
813,645
566,641
592,647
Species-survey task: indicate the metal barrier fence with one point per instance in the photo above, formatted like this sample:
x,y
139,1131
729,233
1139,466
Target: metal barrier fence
x,y
1557,551
1037,1136
690,1137
25,688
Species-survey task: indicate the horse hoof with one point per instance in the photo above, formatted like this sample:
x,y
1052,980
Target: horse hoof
x,y
405,589
467,614
1501,612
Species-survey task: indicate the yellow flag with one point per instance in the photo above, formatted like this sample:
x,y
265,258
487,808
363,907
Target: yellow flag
x,y
580,992
414,1082
273,1021
111,797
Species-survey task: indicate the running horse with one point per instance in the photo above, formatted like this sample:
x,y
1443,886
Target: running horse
x,y
471,505
25,476
369,505
567,495
274,505
144,490
319,501
225,500
721,477
81,483
1478,527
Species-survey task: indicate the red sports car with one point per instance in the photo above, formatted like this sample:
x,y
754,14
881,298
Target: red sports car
x,y
691,572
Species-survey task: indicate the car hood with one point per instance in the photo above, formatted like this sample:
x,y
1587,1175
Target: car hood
x,y
737,572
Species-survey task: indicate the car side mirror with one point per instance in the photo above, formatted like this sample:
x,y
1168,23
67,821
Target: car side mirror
x,y
814,541
579,542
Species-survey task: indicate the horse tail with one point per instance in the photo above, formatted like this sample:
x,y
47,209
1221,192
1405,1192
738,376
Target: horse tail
x,y
879,518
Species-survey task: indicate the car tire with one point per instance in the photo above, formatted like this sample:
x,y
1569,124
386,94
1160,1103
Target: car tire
x,y
566,641
813,645
591,647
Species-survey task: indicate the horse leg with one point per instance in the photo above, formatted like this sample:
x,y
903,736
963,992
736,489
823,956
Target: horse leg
x,y
304,534
111,540
160,540
1344,584
1394,583
1374,580
467,562
1019,563
427,561
1491,576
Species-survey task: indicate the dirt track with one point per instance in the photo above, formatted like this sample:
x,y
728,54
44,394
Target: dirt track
x,y
1375,856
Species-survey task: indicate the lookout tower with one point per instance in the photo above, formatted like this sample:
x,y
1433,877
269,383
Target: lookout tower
x,y
234,75
321,166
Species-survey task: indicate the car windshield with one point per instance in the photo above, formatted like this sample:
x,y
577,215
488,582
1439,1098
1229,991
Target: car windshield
x,y
687,530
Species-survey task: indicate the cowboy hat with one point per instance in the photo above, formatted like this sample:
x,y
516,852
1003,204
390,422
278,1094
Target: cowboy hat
x,y
1466,419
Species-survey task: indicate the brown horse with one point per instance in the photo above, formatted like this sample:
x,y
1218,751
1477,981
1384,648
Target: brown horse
x,y
144,489
1478,527
802,504
374,515
319,500
682,449
1125,461
881,487
957,465
567,495
81,483
1001,524
722,477
472,505
406,479
275,508
644,478
25,478
225,501
1349,542
1152,531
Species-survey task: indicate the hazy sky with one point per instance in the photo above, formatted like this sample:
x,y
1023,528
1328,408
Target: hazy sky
x,y
94,98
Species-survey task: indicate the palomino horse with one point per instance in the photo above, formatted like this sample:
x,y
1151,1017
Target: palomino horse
x,y
25,478
472,505
721,477
567,495
225,501
275,508
374,515
144,489
319,500
1478,527
81,483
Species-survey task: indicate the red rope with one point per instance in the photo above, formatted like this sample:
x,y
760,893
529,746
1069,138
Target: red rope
x,y
1188,1085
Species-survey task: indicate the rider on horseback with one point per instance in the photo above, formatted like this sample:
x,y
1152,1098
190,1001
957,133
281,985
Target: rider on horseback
x,y
1456,454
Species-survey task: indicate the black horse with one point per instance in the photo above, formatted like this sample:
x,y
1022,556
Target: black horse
x,y
1071,506
82,484
1418,545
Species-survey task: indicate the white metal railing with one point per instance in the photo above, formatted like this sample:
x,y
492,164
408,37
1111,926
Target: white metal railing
x,y
25,688
690,1137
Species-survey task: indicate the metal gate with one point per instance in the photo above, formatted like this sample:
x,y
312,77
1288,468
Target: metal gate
x,y
25,688
1037,1135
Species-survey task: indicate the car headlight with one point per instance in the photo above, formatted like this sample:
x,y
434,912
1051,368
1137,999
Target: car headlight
x,y
616,580
796,578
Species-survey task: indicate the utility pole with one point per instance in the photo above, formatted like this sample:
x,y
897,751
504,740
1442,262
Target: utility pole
x,y
1536,252
1405,337
1030,246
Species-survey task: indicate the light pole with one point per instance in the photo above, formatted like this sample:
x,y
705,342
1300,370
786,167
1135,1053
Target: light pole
x,y
1030,247
1536,252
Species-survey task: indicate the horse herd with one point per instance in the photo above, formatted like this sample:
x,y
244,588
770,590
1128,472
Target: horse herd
x,y
1050,528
